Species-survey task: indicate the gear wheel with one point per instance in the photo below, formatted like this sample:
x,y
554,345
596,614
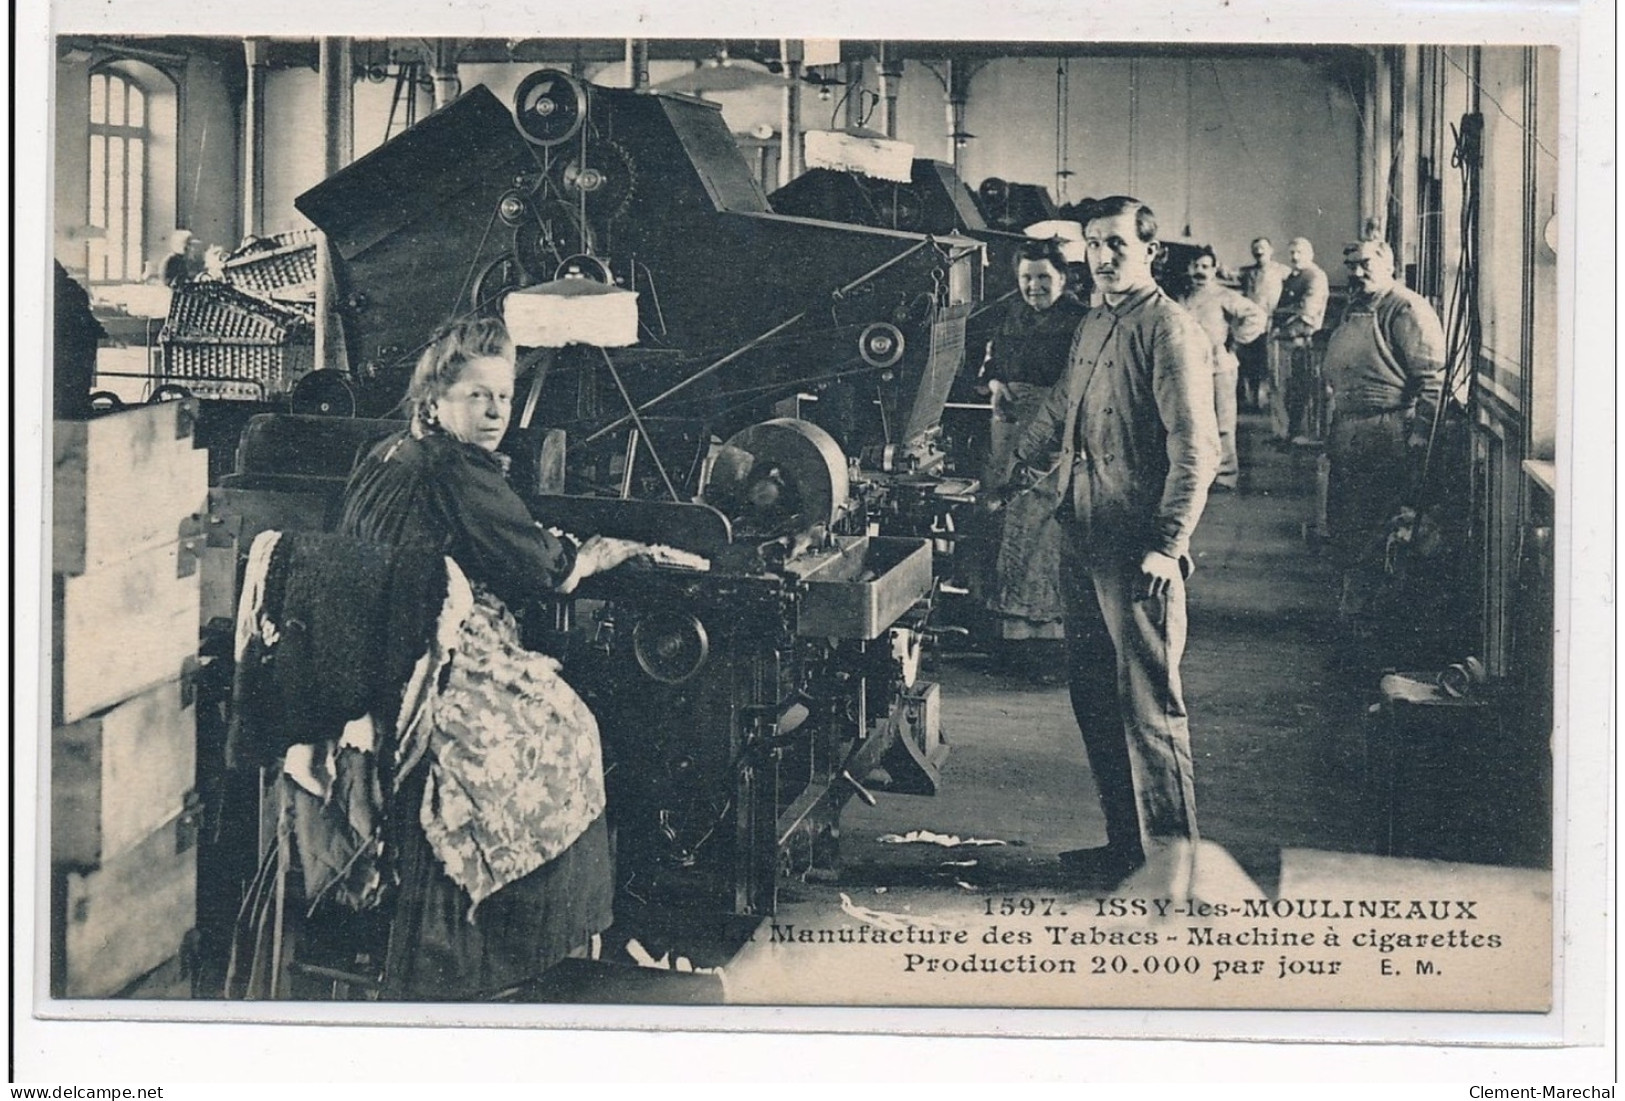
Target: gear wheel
x,y
606,177
549,107
899,207
491,287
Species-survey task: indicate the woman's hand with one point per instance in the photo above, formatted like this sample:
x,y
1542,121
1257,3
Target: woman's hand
x,y
600,553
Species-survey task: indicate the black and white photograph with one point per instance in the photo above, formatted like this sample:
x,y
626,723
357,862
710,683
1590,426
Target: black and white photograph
x,y
1071,523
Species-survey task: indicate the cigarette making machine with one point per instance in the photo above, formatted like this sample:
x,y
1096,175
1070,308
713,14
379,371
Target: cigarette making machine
x,y
934,200
742,312
744,704
775,424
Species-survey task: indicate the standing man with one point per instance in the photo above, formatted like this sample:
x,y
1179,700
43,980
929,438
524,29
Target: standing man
x,y
1131,424
1385,368
1261,282
1230,320
1298,317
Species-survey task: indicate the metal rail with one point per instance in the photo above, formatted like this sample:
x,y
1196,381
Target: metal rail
x,y
753,343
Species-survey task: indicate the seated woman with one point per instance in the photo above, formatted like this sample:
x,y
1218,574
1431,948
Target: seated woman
x,y
510,870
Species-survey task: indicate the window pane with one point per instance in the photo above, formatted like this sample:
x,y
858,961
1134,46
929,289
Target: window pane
x,y
98,180
135,163
115,209
98,98
97,262
115,101
138,106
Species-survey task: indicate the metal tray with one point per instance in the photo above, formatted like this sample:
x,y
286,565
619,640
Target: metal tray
x,y
860,589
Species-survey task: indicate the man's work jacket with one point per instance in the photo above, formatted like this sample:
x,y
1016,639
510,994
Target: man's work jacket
x,y
1133,423
1301,311
1229,319
1263,282
1388,355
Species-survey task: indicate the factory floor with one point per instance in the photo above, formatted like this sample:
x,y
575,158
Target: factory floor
x,y
1279,724
1290,796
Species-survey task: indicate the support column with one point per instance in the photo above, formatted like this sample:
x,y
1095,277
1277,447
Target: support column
x,y
1387,126
337,76
854,94
790,158
958,78
637,64
891,76
1402,235
254,139
443,71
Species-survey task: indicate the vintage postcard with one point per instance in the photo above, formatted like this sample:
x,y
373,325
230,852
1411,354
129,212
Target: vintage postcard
x,y
1002,525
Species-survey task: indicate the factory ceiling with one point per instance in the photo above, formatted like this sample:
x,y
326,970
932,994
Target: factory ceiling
x,y
301,52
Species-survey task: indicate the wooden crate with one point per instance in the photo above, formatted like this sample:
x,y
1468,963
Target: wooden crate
x,y
123,920
119,775
123,628
218,583
122,483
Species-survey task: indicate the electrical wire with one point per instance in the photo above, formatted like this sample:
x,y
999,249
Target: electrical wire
x,y
1464,325
1485,93
846,95
873,107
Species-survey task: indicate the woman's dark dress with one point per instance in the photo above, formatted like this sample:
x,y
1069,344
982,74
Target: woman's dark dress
x,y
440,492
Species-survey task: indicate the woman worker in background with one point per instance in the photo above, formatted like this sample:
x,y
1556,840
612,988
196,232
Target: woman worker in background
x,y
511,869
177,266
1020,586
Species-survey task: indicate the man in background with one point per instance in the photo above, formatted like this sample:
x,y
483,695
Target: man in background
x,y
1230,320
1261,282
178,265
1385,368
1298,317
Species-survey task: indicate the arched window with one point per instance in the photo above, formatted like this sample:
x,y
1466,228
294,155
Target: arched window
x,y
119,139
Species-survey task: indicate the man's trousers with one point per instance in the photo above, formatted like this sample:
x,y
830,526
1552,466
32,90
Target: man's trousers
x,y
1123,667
1224,407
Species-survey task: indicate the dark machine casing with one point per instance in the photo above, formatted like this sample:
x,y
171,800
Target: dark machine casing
x,y
410,225
414,224
724,775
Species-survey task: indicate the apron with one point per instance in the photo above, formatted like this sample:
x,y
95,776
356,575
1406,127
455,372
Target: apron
x,y
516,773
1024,591
1366,441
